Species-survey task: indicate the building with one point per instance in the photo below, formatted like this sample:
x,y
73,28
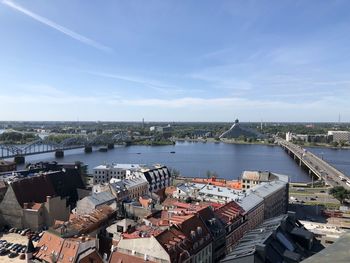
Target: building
x,y
253,205
326,233
54,248
186,240
234,219
157,176
217,231
252,178
161,129
6,166
117,257
237,130
136,187
119,190
104,173
187,190
89,224
336,253
340,136
116,230
39,200
92,202
278,239
275,197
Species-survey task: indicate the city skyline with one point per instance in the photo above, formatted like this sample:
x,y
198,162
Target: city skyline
x,y
174,61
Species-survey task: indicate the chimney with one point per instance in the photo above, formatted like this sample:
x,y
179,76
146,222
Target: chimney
x,y
48,198
25,205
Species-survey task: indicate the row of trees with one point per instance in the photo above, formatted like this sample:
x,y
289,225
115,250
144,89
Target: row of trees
x,y
17,137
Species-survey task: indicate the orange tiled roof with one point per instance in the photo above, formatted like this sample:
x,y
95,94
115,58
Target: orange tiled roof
x,y
52,246
218,182
85,224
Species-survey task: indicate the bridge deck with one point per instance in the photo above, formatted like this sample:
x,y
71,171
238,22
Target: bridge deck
x,y
318,166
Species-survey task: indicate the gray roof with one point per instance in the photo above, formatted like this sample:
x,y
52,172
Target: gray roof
x,y
118,186
132,182
100,198
336,253
265,189
249,201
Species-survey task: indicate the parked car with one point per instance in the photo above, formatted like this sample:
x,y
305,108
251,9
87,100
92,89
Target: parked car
x,y
25,231
12,255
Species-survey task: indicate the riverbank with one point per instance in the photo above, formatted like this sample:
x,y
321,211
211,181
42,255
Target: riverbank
x,y
228,141
327,146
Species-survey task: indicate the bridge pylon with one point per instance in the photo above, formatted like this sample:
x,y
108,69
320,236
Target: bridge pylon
x,y
20,159
59,153
88,149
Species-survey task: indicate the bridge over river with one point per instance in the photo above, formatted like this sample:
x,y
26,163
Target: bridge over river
x,y
316,166
45,146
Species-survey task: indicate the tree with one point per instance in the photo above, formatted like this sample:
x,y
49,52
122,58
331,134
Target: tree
x,y
208,173
335,144
340,193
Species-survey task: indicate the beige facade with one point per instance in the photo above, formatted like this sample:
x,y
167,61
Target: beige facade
x,y
32,216
10,210
148,248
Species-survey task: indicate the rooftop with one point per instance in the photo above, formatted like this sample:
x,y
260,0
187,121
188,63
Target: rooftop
x,y
122,166
100,198
84,224
278,239
118,257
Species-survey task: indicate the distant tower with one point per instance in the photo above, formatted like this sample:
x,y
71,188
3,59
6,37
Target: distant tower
x,y
29,251
143,123
261,124
339,118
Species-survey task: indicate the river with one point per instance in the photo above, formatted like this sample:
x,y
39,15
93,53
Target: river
x,y
196,158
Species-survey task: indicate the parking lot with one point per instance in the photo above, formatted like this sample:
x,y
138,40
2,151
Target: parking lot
x,y
13,245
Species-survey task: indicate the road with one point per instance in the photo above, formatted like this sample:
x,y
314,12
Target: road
x,y
319,167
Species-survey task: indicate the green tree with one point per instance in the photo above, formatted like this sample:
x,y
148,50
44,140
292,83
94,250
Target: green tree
x,y
340,193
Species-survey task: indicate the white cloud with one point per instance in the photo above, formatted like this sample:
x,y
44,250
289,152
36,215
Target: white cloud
x,y
156,85
56,26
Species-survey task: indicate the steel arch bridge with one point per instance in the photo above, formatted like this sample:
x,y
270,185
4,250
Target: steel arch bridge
x,y
45,145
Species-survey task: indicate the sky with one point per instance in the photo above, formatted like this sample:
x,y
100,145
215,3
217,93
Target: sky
x,y
180,60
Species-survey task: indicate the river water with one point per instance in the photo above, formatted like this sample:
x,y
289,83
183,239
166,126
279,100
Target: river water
x,y
195,158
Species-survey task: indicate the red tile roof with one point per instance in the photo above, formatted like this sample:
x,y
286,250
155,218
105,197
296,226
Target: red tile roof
x,y
178,246
142,231
229,212
85,224
52,246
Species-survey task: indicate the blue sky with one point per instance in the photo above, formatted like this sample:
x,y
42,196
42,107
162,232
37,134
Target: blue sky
x,y
175,60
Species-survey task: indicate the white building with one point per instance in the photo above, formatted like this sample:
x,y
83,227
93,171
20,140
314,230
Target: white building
x,y
158,176
252,178
104,173
339,136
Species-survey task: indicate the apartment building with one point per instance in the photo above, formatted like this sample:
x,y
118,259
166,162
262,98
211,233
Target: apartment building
x,y
157,176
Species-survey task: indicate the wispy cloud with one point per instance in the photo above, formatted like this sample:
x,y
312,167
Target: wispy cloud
x,y
56,26
156,85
